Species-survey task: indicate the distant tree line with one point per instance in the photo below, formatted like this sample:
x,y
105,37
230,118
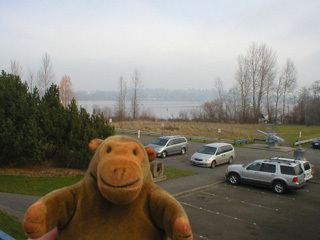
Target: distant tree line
x,y
38,129
307,110
261,92
162,94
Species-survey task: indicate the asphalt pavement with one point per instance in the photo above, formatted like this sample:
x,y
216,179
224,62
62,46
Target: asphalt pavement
x,y
206,179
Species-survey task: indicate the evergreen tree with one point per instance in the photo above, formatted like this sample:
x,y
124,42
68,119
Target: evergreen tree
x,y
33,130
18,123
53,124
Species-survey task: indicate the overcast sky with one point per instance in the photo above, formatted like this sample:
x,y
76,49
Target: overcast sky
x,y
175,44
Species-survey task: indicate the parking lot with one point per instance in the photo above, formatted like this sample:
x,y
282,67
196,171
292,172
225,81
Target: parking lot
x,y
248,212
218,210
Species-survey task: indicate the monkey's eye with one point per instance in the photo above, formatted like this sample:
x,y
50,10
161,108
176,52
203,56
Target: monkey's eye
x,y
134,152
109,150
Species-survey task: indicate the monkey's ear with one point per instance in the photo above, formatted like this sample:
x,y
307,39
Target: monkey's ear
x,y
94,144
151,153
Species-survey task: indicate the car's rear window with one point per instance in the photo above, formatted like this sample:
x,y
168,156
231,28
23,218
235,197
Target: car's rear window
x,y
306,166
207,150
291,170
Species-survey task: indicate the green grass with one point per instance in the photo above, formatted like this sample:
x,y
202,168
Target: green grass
x,y
11,226
291,132
172,173
39,186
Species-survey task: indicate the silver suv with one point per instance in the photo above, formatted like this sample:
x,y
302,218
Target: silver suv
x,y
307,169
169,145
278,173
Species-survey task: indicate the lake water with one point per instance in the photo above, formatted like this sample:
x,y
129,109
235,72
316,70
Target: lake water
x,y
160,109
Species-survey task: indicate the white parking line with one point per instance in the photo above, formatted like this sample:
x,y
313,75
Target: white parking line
x,y
268,193
218,213
244,202
199,236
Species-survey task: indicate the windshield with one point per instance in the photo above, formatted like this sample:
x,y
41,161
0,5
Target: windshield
x,y
159,141
207,150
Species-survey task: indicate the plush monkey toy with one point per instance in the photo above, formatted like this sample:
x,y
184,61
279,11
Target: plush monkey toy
x,y
116,200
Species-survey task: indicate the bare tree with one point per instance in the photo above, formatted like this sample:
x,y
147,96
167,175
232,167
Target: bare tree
x,y
315,88
210,111
252,65
45,74
314,111
289,81
233,107
121,100
16,68
106,111
269,96
260,66
243,85
220,102
278,91
267,73
65,90
137,86
31,79
184,114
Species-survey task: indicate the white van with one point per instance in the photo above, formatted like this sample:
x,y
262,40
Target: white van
x,y
213,154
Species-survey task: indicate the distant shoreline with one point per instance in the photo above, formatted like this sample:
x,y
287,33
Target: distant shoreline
x,y
158,108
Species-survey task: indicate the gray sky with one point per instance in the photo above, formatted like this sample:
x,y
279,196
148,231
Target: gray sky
x,y
176,44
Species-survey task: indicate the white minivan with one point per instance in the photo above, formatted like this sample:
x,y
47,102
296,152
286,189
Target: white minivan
x,y
213,154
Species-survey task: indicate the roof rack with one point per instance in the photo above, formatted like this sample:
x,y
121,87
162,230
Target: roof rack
x,y
282,159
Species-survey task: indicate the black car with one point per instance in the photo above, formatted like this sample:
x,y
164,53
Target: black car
x,y
316,143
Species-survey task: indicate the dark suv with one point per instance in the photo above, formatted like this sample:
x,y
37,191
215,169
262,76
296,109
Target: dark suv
x,y
278,173
316,143
169,145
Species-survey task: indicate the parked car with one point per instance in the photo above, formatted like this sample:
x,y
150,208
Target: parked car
x,y
169,145
316,143
307,169
213,154
278,173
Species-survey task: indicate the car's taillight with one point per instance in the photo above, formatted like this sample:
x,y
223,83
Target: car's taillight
x,y
295,179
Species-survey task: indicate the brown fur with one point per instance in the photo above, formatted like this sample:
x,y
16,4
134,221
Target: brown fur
x,y
117,199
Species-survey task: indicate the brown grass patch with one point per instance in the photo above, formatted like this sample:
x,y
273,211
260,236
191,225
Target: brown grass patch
x,y
232,131
41,171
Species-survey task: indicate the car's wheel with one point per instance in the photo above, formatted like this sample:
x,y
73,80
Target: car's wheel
x,y
230,160
164,154
183,151
213,164
279,187
234,178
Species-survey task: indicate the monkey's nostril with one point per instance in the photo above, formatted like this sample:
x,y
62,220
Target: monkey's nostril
x,y
114,171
